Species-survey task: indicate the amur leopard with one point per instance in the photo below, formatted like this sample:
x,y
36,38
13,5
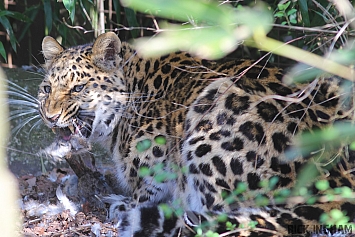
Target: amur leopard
x,y
205,127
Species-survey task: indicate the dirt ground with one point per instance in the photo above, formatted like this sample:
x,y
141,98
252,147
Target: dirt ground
x,y
59,203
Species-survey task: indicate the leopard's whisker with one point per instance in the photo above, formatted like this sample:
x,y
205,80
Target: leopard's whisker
x,y
19,113
20,151
17,129
23,95
35,125
39,74
16,88
22,102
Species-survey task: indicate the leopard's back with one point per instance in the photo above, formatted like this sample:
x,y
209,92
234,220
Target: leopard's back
x,y
238,130
188,131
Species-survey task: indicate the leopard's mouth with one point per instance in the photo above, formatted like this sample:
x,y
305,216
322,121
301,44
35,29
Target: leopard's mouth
x,y
79,127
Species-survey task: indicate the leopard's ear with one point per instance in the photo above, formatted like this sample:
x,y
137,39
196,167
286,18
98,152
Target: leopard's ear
x,y
50,49
106,51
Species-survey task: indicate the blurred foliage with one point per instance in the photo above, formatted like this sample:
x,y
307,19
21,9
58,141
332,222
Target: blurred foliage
x,y
218,27
325,140
70,21
10,213
213,29
286,12
4,21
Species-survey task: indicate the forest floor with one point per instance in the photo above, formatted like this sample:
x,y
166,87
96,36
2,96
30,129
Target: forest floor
x,y
58,203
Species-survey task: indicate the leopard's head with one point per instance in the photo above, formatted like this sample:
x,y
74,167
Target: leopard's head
x,y
83,93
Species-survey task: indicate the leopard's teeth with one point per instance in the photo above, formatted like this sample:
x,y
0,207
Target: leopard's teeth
x,y
72,129
53,130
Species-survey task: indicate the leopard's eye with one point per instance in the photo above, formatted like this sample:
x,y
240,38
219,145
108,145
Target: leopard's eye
x,y
47,89
78,88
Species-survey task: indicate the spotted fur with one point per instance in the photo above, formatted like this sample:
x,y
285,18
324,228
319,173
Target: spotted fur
x,y
213,124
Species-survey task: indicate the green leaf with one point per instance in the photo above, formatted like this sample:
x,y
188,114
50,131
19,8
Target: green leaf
x,y
324,218
167,210
5,22
283,7
261,200
273,181
279,14
158,168
322,185
117,7
182,10
311,200
144,171
31,12
216,29
70,6
211,42
210,233
159,178
223,217
304,12
241,187
263,183
293,19
292,11
64,32
132,21
342,221
308,173
6,13
336,214
2,51
230,226
253,224
301,73
331,137
161,140
330,197
15,15
48,15
352,146
143,145
284,192
346,192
